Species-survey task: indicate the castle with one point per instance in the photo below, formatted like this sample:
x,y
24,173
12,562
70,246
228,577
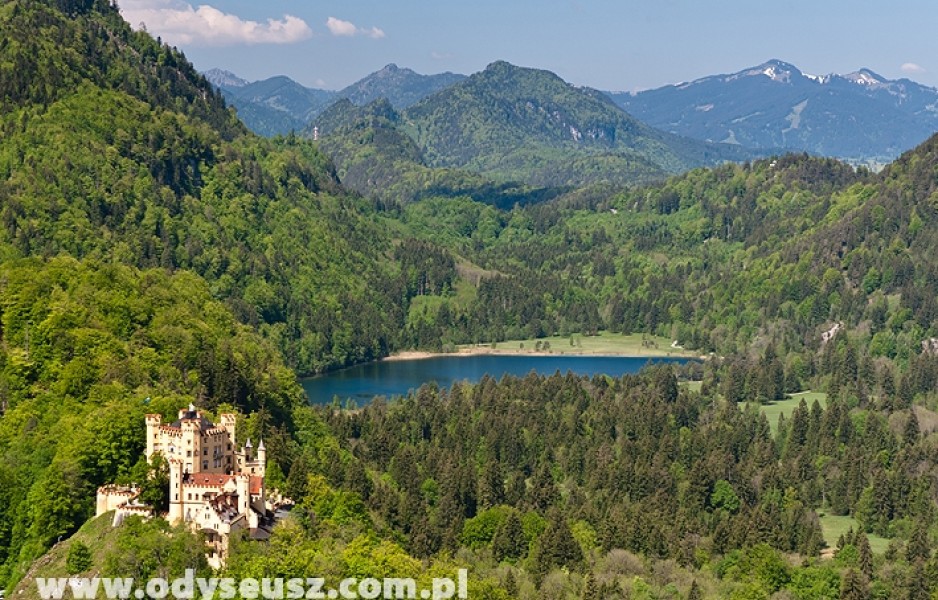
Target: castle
x,y
216,488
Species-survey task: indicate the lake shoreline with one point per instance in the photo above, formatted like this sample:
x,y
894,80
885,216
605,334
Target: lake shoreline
x,y
467,351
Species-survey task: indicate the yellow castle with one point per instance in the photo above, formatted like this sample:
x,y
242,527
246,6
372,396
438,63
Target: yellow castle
x,y
214,486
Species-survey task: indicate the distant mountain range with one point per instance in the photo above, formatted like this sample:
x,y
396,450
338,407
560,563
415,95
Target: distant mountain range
x,y
859,115
514,125
279,105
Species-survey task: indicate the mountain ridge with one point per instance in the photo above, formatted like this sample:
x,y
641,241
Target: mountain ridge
x,y
517,124
859,115
278,105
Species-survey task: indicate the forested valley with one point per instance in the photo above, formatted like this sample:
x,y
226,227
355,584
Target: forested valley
x,y
154,253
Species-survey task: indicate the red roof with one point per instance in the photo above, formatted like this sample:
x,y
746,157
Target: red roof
x,y
256,483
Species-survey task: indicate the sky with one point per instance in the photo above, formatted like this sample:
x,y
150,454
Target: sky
x,y
614,45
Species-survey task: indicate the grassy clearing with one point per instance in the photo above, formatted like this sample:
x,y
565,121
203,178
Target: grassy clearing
x,y
834,526
603,344
785,407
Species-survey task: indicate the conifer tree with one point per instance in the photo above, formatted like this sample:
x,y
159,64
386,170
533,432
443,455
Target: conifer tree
x,y
865,555
509,541
694,593
557,547
853,587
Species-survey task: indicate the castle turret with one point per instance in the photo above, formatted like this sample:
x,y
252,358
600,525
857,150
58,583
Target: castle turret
x,y
177,501
261,460
153,427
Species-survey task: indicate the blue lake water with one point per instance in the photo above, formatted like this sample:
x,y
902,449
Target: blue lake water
x,y
398,377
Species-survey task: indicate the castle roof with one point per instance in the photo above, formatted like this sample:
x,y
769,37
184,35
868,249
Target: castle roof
x,y
190,415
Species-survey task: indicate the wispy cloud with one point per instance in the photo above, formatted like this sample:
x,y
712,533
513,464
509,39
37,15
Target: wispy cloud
x,y
179,23
440,55
912,68
341,28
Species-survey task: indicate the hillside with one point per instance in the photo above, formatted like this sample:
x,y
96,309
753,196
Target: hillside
x,y
529,125
119,173
860,116
376,158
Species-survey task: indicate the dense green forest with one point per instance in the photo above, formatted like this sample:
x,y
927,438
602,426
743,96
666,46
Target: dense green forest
x,y
153,253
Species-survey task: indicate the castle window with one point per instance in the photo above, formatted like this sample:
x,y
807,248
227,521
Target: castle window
x,y
188,453
204,464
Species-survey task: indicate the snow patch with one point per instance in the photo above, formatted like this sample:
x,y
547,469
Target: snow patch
x,y
794,119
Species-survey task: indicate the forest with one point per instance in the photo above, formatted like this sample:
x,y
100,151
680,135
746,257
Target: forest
x,y
154,253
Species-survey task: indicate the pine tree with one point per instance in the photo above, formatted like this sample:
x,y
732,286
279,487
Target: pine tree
x,y
557,547
543,493
865,555
911,432
491,485
590,589
511,584
917,549
853,587
916,587
694,593
509,541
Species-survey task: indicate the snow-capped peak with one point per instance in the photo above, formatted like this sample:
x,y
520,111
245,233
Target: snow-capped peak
x,y
775,70
865,77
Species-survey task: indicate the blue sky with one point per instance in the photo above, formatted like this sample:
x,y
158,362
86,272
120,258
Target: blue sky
x,y
606,44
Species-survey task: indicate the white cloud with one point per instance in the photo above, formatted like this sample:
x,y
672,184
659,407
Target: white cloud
x,y
341,28
178,22
440,55
912,68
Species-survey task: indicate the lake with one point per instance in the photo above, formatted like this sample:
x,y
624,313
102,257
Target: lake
x,y
391,378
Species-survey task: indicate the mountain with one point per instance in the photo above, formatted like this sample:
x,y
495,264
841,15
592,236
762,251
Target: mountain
x,y
860,115
225,79
375,157
279,105
401,87
522,125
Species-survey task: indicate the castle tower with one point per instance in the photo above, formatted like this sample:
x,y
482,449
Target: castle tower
x,y
153,428
228,421
177,502
261,460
